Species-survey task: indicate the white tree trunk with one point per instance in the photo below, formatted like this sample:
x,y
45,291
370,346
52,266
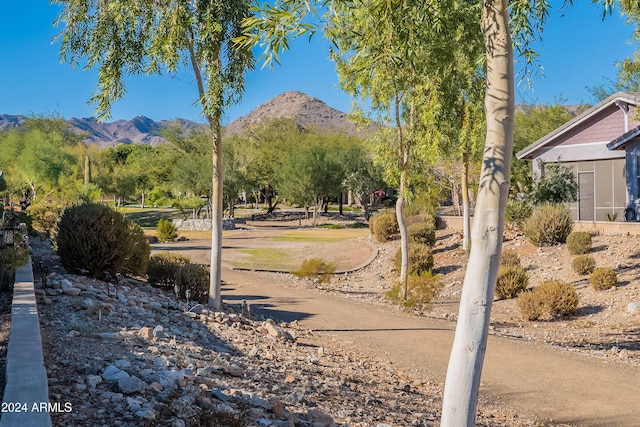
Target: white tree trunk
x,y
215,279
467,355
404,245
466,209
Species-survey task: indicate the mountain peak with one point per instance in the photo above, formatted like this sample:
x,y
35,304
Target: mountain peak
x,y
309,112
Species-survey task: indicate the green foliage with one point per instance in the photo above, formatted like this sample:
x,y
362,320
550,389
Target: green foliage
x,y
579,243
518,211
315,269
548,225
193,282
583,264
532,122
95,238
385,226
509,258
550,299
421,290
557,185
163,268
422,233
44,216
603,278
511,281
166,231
420,259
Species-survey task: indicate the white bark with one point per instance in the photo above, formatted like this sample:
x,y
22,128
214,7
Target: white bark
x,y
467,355
404,246
466,209
215,278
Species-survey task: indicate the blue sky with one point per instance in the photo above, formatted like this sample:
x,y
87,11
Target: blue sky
x,y
577,52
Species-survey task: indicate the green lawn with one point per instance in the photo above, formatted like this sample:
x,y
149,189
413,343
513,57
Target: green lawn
x,y
321,235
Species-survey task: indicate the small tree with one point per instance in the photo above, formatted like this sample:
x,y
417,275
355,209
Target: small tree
x,y
557,185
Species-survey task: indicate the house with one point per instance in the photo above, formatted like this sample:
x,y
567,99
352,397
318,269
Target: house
x,y
602,147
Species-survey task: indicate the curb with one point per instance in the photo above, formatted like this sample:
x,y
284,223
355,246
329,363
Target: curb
x,y
26,395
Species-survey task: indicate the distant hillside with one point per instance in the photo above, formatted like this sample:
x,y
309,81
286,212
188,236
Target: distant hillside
x,y
137,130
308,112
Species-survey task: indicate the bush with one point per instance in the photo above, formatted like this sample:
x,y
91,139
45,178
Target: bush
x,y
195,279
509,258
166,231
579,243
422,232
163,268
385,226
548,225
583,264
511,281
518,211
315,269
549,300
420,259
421,289
94,238
603,278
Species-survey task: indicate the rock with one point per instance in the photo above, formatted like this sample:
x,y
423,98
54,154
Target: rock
x,y
158,332
147,414
633,307
130,385
112,374
72,291
155,305
146,333
66,284
319,418
93,380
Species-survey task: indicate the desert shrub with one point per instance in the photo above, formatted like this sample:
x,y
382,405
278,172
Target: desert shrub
x,y
583,264
518,211
548,225
421,289
164,266
509,258
193,278
557,185
549,300
420,259
511,281
385,226
422,232
603,278
95,238
166,231
315,269
579,242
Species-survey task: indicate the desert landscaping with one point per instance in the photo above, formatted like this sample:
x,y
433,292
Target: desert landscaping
x,y
141,358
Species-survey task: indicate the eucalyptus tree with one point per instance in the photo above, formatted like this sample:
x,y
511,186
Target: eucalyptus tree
x,y
122,37
394,55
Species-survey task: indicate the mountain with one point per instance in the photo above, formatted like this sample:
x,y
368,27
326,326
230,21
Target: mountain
x,y
309,112
137,130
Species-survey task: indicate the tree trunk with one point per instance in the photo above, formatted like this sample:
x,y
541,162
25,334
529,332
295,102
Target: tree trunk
x,y
142,200
404,246
466,209
467,354
216,222
316,211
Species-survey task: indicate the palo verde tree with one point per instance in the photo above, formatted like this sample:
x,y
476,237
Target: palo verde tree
x,y
122,37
